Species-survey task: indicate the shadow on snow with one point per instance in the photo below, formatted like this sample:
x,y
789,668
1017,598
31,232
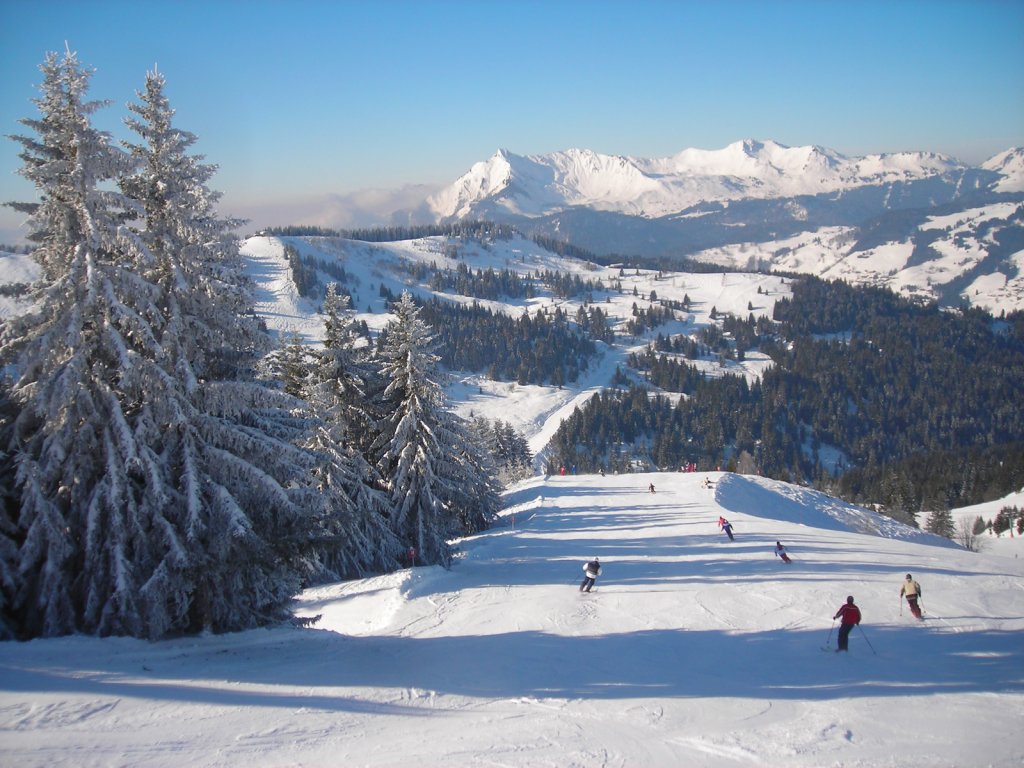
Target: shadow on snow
x,y
777,664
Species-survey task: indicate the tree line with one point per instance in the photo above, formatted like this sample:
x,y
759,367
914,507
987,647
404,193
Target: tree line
x,y
921,406
472,230
542,348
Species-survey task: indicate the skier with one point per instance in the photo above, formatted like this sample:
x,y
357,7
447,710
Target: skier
x,y
851,618
651,488
726,526
591,571
780,551
912,591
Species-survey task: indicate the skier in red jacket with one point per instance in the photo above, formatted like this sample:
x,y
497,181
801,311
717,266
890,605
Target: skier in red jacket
x,y
850,614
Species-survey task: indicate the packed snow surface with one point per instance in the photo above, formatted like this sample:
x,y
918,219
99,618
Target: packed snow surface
x,y
692,651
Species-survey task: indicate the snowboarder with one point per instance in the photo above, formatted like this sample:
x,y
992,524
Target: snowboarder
x,y
912,591
591,571
780,551
726,526
651,487
850,614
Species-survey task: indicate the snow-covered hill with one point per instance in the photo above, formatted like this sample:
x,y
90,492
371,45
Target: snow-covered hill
x,y
970,254
536,411
540,185
692,651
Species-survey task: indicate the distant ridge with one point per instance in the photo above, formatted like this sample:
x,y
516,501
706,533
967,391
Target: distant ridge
x,y
541,185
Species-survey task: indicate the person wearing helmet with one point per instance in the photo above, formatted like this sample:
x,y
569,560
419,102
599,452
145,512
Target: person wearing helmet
x,y
912,591
591,571
850,614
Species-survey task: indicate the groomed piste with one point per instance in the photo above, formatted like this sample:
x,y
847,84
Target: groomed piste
x,y
692,650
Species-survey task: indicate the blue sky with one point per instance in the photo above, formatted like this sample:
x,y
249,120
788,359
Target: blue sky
x,y
295,100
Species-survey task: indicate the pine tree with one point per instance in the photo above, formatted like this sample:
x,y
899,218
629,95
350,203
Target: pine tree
x,y
79,359
353,537
9,577
941,522
238,503
291,364
151,474
441,484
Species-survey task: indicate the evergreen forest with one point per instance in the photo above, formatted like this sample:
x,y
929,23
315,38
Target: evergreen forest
x,y
167,467
874,397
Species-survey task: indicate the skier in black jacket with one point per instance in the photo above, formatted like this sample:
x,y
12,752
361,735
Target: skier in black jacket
x,y
591,570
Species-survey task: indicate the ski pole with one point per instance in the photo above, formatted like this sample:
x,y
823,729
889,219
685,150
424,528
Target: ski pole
x,y
901,606
829,641
866,640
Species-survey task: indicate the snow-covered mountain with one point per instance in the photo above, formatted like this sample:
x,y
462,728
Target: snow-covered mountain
x,y
949,254
1010,167
542,185
692,651
921,223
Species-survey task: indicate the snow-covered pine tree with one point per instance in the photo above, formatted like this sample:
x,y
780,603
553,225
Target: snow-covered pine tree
x,y
238,518
440,483
9,577
354,537
509,451
941,522
83,361
475,500
291,364
150,480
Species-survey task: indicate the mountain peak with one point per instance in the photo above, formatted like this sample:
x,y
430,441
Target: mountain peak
x,y
1009,165
540,185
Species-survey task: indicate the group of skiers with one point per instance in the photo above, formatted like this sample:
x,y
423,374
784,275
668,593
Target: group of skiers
x,y
780,550
848,613
850,616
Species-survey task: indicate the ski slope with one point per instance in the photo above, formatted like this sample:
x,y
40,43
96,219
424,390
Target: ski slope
x,y
692,651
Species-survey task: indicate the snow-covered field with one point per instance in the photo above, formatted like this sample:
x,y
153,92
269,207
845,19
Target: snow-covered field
x,y
693,651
